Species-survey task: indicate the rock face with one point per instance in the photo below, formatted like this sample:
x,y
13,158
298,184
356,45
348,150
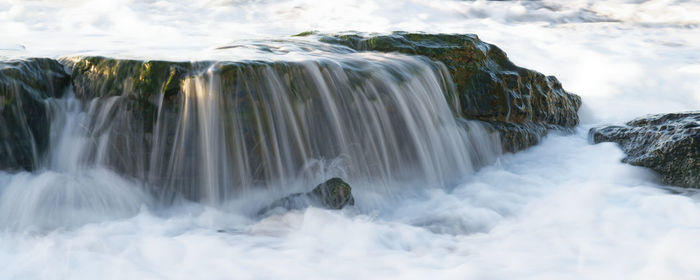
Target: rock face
x,y
669,144
24,116
332,194
519,103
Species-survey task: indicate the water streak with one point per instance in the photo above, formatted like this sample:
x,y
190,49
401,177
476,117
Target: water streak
x,y
381,121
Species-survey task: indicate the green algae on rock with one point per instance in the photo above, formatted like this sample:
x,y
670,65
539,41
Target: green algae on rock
x,y
668,144
96,76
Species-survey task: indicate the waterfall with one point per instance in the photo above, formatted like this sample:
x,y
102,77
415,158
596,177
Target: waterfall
x,y
382,121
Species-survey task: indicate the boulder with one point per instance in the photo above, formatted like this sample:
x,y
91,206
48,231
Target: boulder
x,y
24,116
669,144
332,194
519,103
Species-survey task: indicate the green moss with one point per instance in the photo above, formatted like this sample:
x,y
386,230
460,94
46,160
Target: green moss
x,y
305,33
100,77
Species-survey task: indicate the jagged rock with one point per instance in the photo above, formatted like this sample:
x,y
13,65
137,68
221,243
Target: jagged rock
x,y
24,119
519,103
669,144
332,194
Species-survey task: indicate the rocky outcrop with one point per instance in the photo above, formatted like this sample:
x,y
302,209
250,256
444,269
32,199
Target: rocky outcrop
x,y
152,120
519,103
332,194
669,144
24,119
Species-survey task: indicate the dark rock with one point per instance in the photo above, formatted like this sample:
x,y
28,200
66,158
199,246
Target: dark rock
x,y
332,194
669,144
518,102
24,117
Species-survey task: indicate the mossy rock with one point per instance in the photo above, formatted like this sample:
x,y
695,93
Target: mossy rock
x,y
489,86
143,79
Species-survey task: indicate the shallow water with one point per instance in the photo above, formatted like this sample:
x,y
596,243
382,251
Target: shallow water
x,y
562,209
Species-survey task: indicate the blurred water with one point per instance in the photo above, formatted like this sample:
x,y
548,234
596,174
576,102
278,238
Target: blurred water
x,y
563,209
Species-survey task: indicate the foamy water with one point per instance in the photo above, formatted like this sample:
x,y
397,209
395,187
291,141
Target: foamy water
x,y
561,210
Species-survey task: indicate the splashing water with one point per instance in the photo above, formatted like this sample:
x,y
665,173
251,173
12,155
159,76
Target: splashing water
x,y
381,121
562,209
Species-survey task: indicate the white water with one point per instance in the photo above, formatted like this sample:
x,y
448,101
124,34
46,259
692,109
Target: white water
x,y
561,210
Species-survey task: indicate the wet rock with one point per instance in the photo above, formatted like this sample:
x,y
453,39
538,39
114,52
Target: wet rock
x,y
669,144
97,76
142,103
24,114
515,137
521,104
332,194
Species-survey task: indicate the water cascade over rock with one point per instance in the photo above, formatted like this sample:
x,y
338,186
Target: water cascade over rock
x,y
212,130
24,120
521,104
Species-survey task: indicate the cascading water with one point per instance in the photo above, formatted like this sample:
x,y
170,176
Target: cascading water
x,y
380,121
101,199
278,125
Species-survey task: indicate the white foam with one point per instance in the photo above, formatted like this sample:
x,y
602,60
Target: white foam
x,y
541,214
561,210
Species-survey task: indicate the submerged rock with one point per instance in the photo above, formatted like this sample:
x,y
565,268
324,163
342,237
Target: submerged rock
x,y
24,117
521,104
332,194
669,144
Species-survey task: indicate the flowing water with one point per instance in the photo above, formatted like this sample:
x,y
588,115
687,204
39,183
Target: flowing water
x,y
434,196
